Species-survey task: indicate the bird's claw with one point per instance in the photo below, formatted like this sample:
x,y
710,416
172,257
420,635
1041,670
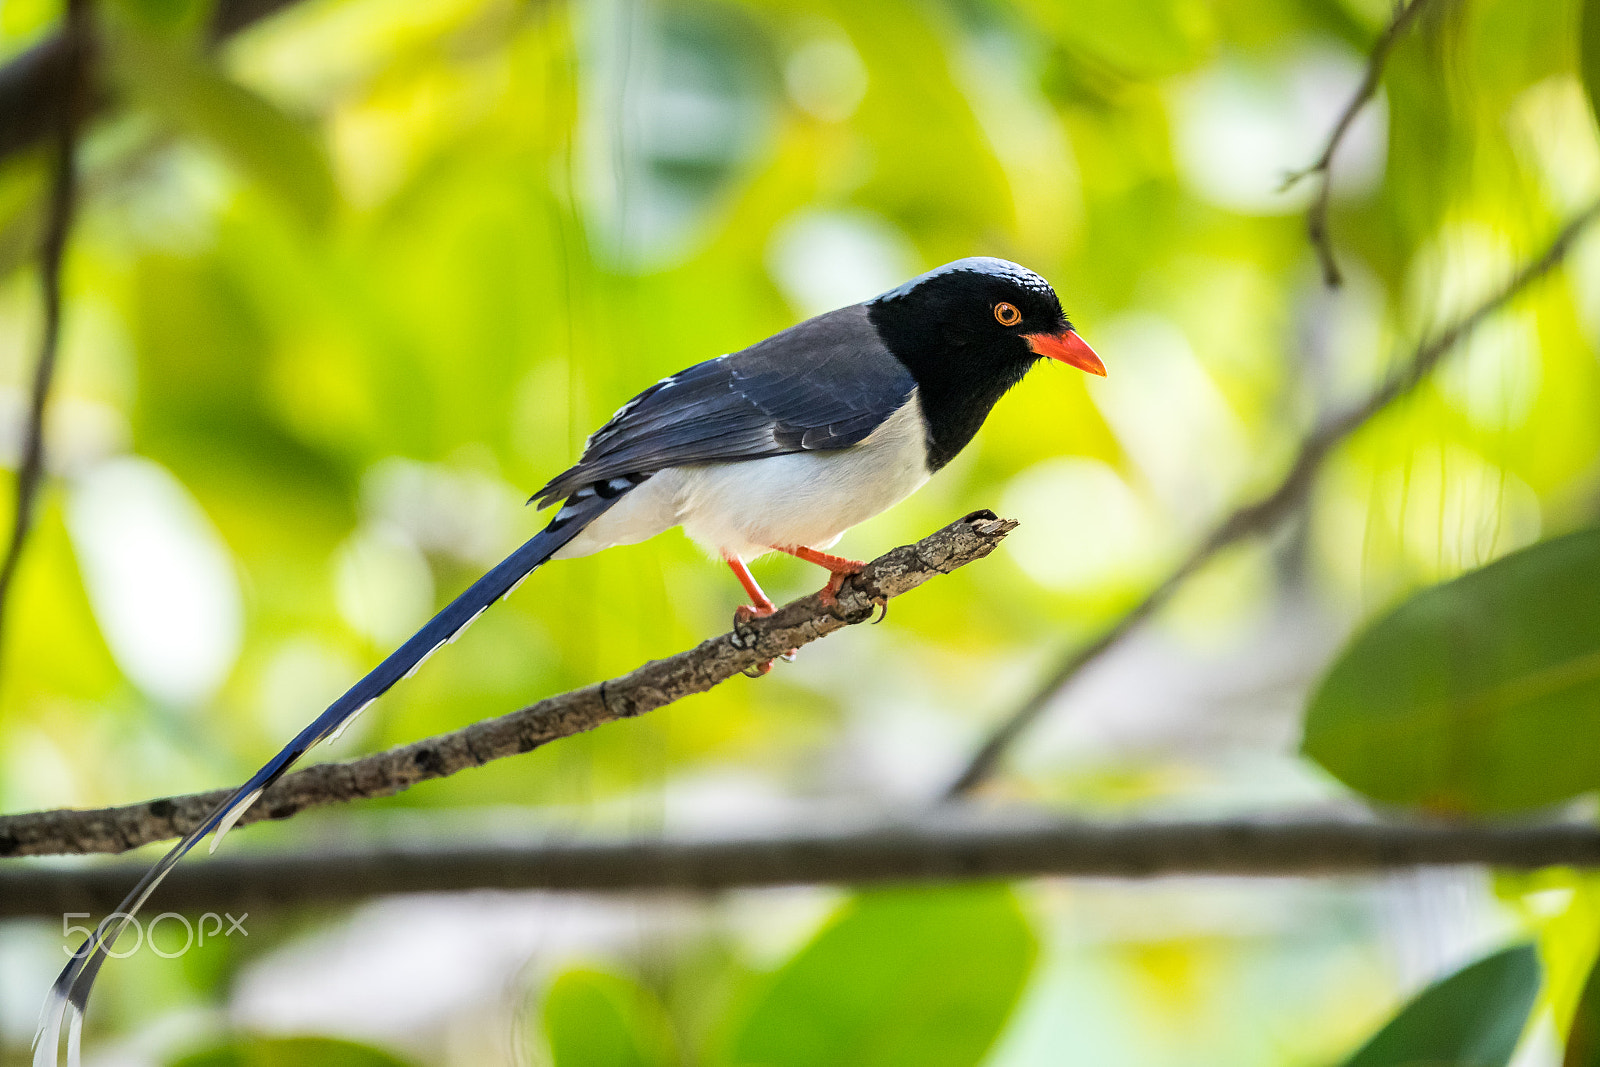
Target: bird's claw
x,y
829,594
742,615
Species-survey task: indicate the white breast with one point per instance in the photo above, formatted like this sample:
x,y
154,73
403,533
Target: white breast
x,y
748,508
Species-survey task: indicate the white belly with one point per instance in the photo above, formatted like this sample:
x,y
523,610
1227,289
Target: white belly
x,y
741,510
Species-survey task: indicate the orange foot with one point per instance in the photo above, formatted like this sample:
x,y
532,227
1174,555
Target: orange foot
x,y
838,567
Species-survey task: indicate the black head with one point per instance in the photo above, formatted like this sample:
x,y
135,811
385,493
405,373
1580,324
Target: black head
x,y
968,331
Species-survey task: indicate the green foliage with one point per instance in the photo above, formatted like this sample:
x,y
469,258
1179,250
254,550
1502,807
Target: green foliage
x,y
595,1019
365,276
289,1052
1589,53
1473,1018
1468,697
187,17
899,977
185,88
1583,1036
1145,37
22,185
903,978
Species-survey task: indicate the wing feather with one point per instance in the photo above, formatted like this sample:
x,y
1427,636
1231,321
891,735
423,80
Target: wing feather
x,y
825,384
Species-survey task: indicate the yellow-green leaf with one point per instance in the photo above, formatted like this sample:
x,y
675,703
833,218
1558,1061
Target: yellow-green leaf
x,y
183,86
1589,52
594,1019
289,1052
905,978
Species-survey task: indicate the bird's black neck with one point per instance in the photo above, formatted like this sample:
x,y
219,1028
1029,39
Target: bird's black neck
x,y
958,382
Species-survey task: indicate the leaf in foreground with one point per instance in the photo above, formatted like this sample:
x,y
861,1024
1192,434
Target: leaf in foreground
x,y
1478,695
1583,1039
290,1052
1473,1018
903,978
594,1019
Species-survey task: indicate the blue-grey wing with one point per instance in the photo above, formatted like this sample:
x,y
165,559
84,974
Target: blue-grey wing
x,y
824,384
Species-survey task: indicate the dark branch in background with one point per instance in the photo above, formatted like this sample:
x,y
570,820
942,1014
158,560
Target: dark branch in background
x,y
1317,213
1264,513
71,107
651,686
953,845
228,17
35,86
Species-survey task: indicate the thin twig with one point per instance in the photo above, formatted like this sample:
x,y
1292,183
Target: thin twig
x,y
1264,513
1317,213
955,844
77,46
651,686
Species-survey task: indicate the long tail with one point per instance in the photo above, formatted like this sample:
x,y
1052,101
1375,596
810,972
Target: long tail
x,y
69,996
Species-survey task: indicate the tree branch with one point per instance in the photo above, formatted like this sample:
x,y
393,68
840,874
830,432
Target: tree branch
x,y
1317,213
651,686
954,844
74,62
1263,514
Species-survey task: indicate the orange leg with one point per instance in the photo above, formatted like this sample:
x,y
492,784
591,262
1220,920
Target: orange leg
x,y
762,606
838,567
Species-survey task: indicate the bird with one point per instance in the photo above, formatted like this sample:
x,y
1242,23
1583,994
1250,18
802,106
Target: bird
x,y
781,446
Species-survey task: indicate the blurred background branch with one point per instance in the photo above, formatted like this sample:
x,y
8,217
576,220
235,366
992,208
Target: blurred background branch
x,y
656,684
955,845
70,111
1268,510
1322,167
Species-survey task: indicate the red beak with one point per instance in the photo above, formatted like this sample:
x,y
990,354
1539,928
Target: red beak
x,y
1067,347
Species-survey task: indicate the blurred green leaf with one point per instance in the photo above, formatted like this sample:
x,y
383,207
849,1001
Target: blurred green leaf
x,y
1583,1038
1589,52
1473,1018
1481,694
184,87
185,16
290,1052
1142,38
594,1019
921,978
23,186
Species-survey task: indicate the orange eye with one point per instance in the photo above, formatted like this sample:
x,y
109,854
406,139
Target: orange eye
x,y
1007,314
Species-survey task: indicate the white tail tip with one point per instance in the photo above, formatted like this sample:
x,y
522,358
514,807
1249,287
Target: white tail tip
x,y
231,818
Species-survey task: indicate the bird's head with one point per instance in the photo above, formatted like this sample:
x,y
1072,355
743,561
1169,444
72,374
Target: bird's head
x,y
979,315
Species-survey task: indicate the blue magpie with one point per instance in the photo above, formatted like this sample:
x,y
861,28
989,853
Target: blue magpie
x,y
782,446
